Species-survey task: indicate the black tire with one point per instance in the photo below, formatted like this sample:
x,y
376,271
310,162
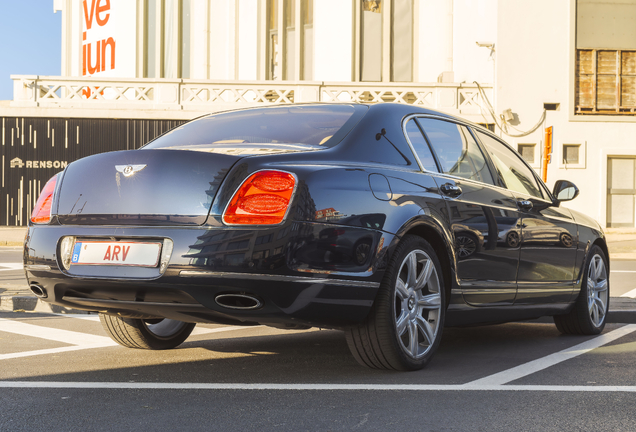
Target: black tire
x,y
415,307
590,310
157,334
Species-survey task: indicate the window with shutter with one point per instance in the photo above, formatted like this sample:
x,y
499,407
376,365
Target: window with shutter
x,y
605,81
605,71
385,34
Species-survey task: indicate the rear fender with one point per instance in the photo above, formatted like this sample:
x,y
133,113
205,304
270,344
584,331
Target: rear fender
x,y
439,238
587,238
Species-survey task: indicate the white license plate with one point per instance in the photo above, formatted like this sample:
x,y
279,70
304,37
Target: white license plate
x,y
141,254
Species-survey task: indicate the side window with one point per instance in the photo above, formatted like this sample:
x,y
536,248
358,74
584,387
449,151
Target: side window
x,y
457,151
511,169
420,146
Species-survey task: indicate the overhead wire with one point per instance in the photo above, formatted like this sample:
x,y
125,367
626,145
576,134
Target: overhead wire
x,y
504,126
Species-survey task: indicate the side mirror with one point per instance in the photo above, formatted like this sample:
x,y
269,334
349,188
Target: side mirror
x,y
565,190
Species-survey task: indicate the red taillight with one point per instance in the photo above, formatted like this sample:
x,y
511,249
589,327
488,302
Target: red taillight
x,y
42,210
262,199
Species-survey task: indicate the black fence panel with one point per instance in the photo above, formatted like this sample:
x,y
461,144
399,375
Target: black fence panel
x,y
33,149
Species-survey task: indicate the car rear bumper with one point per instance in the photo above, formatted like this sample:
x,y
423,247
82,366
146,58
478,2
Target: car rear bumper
x,y
292,277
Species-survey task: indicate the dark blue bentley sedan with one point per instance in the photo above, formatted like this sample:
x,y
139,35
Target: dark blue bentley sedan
x,y
386,221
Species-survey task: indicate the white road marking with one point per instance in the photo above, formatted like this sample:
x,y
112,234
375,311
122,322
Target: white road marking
x,y
529,368
622,271
198,330
86,317
77,340
64,336
630,294
496,382
50,351
11,266
204,330
307,387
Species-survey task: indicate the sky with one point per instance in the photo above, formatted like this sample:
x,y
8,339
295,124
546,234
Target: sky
x,y
30,41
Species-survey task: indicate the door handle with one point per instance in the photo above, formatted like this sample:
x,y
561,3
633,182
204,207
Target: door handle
x,y
451,190
524,205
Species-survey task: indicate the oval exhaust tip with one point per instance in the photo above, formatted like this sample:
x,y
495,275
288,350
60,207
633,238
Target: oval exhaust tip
x,y
238,301
38,291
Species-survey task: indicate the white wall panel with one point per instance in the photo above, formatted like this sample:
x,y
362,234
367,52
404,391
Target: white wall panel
x,y
474,21
220,42
433,31
76,23
333,32
248,39
199,53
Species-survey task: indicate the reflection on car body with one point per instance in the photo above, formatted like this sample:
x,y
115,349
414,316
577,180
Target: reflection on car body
x,y
471,240
537,231
386,221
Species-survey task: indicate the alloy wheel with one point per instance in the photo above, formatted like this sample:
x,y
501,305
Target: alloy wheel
x,y
164,328
417,304
597,290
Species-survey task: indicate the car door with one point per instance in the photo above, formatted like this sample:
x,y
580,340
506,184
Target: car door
x,y
548,233
482,216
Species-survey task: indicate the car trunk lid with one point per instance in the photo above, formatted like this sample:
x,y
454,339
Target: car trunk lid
x,y
142,187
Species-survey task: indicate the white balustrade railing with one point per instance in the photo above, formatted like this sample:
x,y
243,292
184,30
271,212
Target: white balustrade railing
x,y
196,95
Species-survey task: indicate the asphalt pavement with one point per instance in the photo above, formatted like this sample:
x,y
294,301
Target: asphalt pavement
x,y
61,372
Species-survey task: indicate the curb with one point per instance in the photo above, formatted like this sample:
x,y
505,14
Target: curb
x,y
627,316
622,310
621,317
622,256
34,304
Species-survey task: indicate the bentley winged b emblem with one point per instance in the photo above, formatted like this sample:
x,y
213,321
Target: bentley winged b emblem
x,y
128,170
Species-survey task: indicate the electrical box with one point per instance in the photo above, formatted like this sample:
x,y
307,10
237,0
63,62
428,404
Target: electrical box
x,y
508,115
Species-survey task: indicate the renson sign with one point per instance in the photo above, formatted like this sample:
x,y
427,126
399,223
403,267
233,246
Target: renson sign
x,y
108,38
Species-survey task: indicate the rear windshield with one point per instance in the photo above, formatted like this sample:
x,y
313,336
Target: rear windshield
x,y
317,125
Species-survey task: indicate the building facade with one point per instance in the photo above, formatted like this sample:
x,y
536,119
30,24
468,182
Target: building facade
x,y
520,67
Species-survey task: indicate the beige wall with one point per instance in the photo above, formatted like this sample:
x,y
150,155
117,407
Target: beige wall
x,y
532,64
535,54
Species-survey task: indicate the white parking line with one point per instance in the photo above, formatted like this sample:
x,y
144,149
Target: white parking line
x,y
622,271
630,294
204,330
86,317
11,266
529,368
495,382
49,351
198,330
307,387
77,340
58,335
